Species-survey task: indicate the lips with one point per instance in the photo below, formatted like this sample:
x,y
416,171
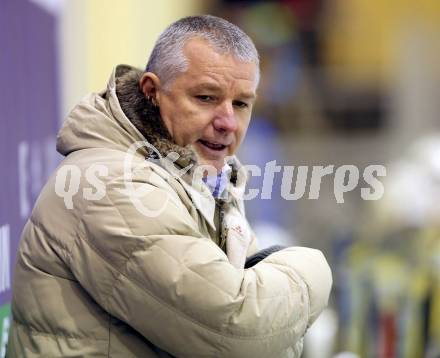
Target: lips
x,y
213,145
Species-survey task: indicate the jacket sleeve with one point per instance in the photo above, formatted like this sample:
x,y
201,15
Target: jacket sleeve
x,y
177,288
253,246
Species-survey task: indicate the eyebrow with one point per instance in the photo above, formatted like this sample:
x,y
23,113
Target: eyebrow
x,y
215,88
250,96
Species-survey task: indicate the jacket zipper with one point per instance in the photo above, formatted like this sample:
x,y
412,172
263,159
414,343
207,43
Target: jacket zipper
x,y
222,231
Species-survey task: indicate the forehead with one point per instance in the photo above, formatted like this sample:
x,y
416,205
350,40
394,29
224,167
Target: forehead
x,y
207,66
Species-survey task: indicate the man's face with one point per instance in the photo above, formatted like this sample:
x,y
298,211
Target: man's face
x,y
209,106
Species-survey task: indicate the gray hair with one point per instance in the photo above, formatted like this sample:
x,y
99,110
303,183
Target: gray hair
x,y
167,59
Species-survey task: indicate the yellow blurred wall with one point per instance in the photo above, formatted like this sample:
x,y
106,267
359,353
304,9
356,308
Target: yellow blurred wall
x,y
365,37
95,35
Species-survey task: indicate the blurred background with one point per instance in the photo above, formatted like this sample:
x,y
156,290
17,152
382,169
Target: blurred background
x,y
344,82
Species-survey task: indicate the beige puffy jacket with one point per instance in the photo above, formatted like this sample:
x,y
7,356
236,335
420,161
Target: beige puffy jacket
x,y
116,274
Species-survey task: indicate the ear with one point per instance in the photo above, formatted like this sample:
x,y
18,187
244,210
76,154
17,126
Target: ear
x,y
150,85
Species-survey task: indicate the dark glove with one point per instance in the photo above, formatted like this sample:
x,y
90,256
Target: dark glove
x,y
262,254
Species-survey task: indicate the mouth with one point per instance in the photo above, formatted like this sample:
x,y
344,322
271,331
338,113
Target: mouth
x,y
212,145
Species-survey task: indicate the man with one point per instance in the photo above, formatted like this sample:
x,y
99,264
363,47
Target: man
x,y
152,262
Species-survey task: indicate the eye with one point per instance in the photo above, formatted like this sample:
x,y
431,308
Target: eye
x,y
240,104
205,98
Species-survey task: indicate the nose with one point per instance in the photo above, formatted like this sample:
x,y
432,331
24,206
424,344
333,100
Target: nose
x,y
225,120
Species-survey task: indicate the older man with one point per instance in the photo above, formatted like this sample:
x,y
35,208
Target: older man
x,y
146,261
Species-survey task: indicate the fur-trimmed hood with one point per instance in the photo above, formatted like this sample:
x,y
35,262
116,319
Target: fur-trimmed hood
x,y
146,117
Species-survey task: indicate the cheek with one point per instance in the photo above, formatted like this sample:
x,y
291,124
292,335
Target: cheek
x,y
195,125
242,128
190,111
181,119
198,120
